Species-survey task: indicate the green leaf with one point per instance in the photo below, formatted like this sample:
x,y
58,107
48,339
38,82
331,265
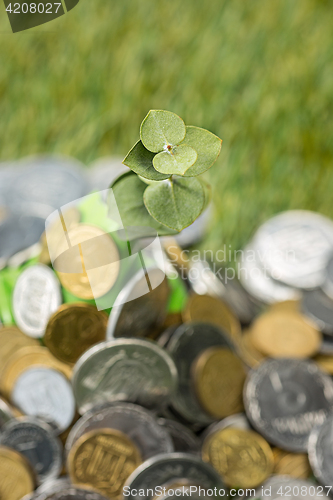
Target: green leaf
x,y
128,191
208,147
160,129
140,160
175,203
176,161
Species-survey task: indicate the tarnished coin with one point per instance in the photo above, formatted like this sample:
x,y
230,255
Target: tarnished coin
x,y
134,370
139,425
90,266
11,340
186,344
36,296
284,333
243,458
139,312
291,464
103,460
328,283
45,393
184,440
73,329
219,377
71,493
285,398
319,308
320,452
6,413
237,421
278,487
36,441
16,475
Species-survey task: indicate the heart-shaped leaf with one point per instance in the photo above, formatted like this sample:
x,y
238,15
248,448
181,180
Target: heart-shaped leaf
x,y
175,203
208,147
161,128
140,160
175,161
128,191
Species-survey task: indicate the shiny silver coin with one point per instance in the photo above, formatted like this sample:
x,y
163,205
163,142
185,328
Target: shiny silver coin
x,y
184,440
319,307
285,398
328,284
36,297
188,341
320,450
133,370
45,393
52,486
284,487
36,441
71,493
139,424
6,413
164,470
259,284
139,312
102,172
47,183
238,421
294,247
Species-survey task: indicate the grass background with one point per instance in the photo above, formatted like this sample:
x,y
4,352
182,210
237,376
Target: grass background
x,y
259,74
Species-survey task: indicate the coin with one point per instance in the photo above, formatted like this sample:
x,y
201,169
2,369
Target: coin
x,y
277,487
134,370
73,329
141,308
285,333
71,493
11,340
319,308
321,453
243,458
328,283
325,363
219,377
291,464
184,440
285,398
35,440
35,297
286,305
188,341
166,336
89,266
169,468
6,413
103,459
16,476
139,425
53,486
238,421
247,352
45,393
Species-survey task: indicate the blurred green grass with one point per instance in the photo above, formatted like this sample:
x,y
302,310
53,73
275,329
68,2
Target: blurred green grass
x,y
258,74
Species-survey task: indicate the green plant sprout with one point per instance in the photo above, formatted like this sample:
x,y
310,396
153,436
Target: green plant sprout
x,y
161,191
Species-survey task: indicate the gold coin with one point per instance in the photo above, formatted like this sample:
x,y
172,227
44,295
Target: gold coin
x,y
16,476
103,459
219,377
73,329
24,359
94,251
325,363
291,464
248,352
212,310
243,458
285,333
12,339
286,305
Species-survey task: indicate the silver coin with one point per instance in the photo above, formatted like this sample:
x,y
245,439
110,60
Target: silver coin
x,y
136,317
165,469
184,440
238,421
133,370
45,393
294,247
285,398
36,297
102,172
328,284
36,441
6,413
188,341
319,307
320,450
286,487
54,485
47,183
71,493
139,424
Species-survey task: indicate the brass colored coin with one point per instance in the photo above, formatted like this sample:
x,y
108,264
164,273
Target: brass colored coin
x,y
16,476
24,359
96,254
291,464
219,377
243,458
12,339
325,363
248,352
103,459
285,333
73,329
212,310
286,305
